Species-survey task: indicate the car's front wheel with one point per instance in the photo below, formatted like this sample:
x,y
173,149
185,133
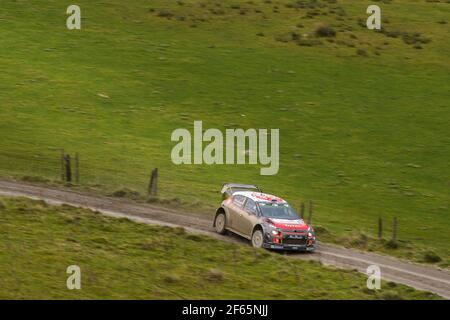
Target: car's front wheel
x,y
257,239
220,223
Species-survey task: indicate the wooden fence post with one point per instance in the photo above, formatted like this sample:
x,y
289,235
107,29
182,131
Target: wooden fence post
x,y
302,210
394,229
68,168
310,212
77,168
63,174
153,185
380,228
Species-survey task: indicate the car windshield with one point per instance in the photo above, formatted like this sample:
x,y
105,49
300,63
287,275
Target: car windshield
x,y
277,211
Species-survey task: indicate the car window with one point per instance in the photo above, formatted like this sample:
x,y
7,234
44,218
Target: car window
x,y
239,200
250,206
276,210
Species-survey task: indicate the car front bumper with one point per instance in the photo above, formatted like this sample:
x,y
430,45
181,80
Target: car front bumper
x,y
275,246
290,247
290,241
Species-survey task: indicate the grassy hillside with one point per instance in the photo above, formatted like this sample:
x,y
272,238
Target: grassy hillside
x,y
120,259
363,115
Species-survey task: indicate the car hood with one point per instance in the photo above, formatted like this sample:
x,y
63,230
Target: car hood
x,y
288,224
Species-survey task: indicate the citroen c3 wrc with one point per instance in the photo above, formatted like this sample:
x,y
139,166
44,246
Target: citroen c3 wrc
x,y
266,220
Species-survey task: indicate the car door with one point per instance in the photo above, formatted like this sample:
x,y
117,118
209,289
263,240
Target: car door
x,y
248,217
235,211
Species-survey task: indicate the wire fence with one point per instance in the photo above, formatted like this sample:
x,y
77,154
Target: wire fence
x,y
28,164
73,168
118,174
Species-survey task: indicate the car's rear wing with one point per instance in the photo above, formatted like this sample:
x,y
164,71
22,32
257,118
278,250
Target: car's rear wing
x,y
229,188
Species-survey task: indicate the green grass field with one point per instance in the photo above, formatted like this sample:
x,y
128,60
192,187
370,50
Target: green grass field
x,y
363,116
120,259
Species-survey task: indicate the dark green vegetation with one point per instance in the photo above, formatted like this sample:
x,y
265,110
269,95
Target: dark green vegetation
x,y
363,115
122,259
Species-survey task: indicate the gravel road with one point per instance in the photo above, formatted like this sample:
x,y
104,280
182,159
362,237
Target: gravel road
x,y
417,276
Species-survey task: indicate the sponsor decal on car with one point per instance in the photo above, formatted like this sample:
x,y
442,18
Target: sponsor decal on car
x,y
289,224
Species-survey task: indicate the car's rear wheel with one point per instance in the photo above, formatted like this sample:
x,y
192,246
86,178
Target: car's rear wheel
x,y
257,239
220,223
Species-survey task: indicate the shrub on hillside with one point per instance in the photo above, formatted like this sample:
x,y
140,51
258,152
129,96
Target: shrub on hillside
x,y
171,278
431,257
391,244
165,14
361,52
126,193
359,242
325,31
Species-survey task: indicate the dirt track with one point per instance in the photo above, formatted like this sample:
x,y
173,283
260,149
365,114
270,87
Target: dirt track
x,y
420,277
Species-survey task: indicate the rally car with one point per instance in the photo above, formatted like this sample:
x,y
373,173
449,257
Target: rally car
x,y
266,220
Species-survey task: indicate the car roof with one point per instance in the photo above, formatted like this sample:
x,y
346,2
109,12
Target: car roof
x,y
260,197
